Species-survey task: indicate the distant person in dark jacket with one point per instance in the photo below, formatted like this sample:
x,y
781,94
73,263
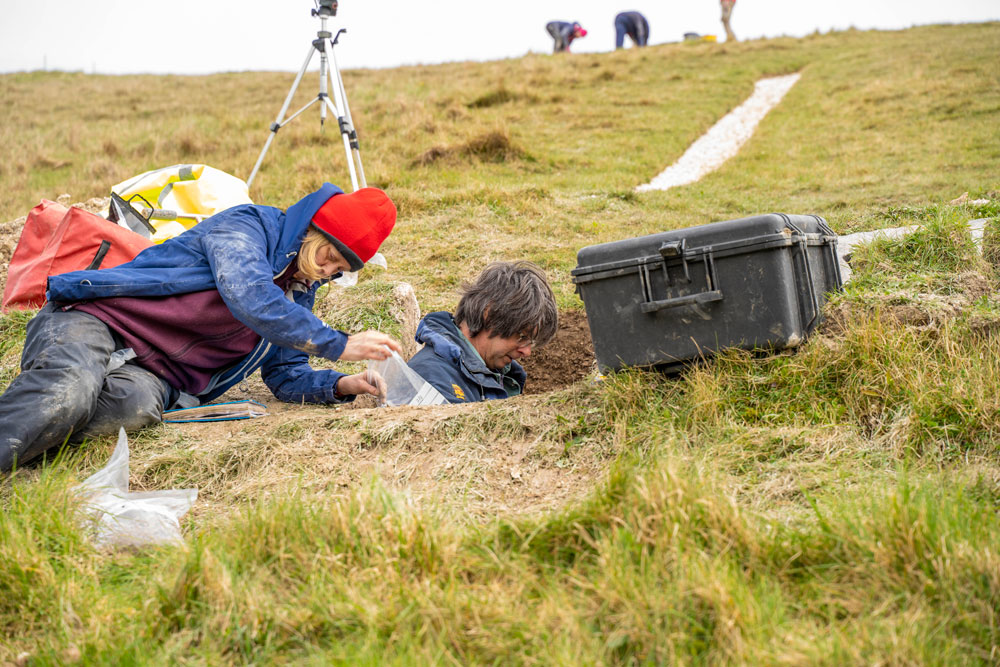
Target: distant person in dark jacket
x,y
634,25
563,34
473,355
191,317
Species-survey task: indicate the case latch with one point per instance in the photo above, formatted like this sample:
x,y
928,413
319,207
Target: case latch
x,y
671,249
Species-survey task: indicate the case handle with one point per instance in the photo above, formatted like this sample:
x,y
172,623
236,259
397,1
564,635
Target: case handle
x,y
677,249
704,297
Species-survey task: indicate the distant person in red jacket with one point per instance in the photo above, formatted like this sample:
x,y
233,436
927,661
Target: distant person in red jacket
x,y
563,33
632,24
727,11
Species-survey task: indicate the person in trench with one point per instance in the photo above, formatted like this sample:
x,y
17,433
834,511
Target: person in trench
x,y
508,311
190,318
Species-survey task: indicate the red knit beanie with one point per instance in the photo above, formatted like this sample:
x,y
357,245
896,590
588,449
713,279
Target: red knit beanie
x,y
356,223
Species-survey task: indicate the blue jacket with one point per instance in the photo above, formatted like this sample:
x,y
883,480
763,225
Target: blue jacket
x,y
563,33
447,363
238,252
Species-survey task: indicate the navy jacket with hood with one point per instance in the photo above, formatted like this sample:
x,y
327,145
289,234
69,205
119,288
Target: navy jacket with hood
x,y
239,252
447,363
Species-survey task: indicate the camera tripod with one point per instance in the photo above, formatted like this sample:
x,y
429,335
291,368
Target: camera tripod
x,y
349,135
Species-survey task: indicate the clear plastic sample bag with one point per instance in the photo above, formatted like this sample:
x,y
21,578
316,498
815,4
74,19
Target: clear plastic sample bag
x,y
403,385
131,519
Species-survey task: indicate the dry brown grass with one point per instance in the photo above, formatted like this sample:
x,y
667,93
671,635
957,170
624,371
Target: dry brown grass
x,y
470,461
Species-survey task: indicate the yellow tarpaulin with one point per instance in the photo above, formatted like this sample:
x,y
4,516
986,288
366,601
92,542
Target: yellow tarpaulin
x,y
183,195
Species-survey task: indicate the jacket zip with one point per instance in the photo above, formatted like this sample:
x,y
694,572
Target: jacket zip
x,y
251,359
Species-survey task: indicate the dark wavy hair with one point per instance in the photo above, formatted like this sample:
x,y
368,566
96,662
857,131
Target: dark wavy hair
x,y
509,299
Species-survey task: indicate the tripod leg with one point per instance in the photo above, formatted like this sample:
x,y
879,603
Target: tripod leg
x,y
324,98
347,145
351,135
323,95
276,125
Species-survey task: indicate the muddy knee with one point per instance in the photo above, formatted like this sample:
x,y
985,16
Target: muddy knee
x,y
132,398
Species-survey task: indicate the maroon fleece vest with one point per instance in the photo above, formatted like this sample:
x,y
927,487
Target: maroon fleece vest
x,y
185,338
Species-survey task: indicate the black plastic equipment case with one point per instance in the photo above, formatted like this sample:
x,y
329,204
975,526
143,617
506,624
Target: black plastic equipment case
x,y
666,299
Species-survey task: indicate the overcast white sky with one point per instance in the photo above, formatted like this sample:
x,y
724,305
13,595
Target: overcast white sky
x,y
203,36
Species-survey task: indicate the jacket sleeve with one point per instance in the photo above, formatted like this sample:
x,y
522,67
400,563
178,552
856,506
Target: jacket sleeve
x,y
288,375
440,374
237,252
290,378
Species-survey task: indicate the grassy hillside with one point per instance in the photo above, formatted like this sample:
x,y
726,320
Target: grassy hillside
x,y
835,505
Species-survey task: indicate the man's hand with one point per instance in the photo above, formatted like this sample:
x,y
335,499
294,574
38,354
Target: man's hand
x,y
366,382
373,345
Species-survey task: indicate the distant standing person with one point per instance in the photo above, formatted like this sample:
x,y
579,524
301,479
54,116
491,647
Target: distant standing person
x,y
727,11
563,34
632,24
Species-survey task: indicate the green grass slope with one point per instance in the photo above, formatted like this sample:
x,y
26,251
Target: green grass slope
x,y
835,505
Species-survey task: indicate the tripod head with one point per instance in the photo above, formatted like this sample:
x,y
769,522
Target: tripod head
x,y
325,8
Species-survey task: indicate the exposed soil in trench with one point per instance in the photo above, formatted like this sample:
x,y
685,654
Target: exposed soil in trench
x,y
565,359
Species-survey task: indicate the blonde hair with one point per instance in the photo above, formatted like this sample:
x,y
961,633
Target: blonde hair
x,y
311,244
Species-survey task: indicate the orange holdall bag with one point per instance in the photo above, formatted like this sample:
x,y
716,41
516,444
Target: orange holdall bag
x,y
57,240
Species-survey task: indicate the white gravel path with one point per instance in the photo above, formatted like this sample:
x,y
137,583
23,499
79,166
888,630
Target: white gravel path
x,y
724,139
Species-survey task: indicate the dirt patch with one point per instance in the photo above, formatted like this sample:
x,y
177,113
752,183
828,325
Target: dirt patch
x,y
984,325
471,461
921,311
567,358
499,96
975,285
490,147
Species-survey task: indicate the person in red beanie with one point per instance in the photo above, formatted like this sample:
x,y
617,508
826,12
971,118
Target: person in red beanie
x,y
563,33
193,317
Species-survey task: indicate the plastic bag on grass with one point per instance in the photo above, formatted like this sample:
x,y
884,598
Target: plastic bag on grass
x,y
403,385
132,519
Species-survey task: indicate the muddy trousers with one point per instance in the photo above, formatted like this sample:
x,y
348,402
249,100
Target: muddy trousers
x,y
559,36
65,391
